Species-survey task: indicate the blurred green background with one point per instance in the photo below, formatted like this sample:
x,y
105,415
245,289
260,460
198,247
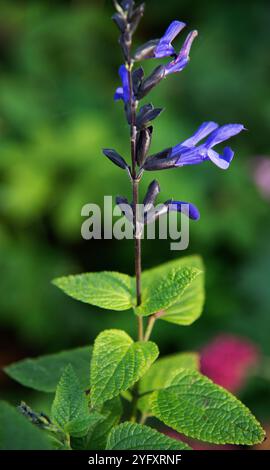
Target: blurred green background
x,y
58,71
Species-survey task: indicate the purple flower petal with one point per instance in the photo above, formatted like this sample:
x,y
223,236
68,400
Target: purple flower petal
x,y
119,94
223,133
123,73
190,156
185,50
222,161
182,59
174,67
164,47
186,208
123,93
204,130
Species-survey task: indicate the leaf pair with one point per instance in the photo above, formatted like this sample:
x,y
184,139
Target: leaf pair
x,y
176,288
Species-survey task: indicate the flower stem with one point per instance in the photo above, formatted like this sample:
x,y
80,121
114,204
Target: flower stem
x,y
137,234
150,326
135,192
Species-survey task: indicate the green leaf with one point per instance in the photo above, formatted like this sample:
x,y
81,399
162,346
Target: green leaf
x,y
132,436
165,291
43,373
118,363
17,433
193,405
161,374
187,306
108,290
111,412
70,406
81,442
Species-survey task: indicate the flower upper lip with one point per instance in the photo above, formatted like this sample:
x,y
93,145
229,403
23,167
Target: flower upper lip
x,y
164,47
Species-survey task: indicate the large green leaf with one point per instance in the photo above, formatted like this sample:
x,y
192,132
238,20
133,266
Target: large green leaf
x,y
193,405
70,407
110,290
132,436
163,292
43,373
118,363
161,374
188,305
17,433
111,412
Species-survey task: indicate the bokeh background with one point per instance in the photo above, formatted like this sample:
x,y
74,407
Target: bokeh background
x,y
58,71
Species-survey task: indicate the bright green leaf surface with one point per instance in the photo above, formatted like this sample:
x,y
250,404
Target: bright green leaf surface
x,y
118,363
108,290
132,436
43,373
195,406
110,413
70,406
162,372
188,305
166,291
17,433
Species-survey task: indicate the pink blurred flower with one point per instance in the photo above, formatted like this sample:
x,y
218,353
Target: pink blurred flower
x,y
227,360
261,176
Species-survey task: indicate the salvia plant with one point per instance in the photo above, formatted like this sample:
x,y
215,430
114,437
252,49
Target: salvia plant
x,y
103,395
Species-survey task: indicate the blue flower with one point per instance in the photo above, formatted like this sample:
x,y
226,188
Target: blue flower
x,y
123,92
182,59
164,47
189,153
153,213
186,208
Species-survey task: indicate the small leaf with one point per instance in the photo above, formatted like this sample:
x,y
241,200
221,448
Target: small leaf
x,y
150,82
108,290
118,363
162,372
120,21
132,436
110,413
144,138
188,306
164,292
195,406
146,51
136,17
43,373
137,77
115,158
146,114
17,433
151,195
70,406
125,207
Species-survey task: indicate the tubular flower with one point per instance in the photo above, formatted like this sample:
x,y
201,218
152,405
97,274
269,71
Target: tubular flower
x,y
182,59
189,153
